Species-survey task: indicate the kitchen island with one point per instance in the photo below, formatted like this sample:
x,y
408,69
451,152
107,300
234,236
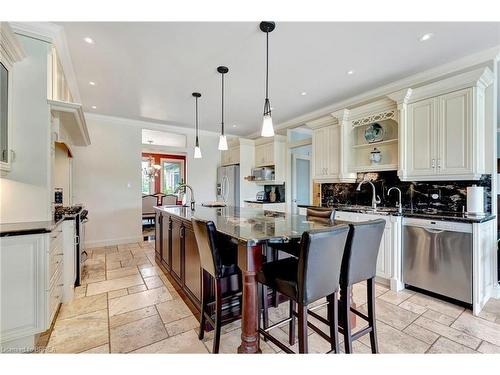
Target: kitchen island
x,y
177,254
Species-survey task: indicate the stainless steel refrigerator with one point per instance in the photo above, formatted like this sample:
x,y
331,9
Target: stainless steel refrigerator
x,y
228,185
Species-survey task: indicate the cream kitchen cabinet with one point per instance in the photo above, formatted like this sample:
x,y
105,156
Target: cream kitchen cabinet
x,y
444,135
264,155
230,156
389,255
326,153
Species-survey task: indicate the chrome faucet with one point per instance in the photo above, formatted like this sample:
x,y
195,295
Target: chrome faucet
x,y
375,197
190,189
400,203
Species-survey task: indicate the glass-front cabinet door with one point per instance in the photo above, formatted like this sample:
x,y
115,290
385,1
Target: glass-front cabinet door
x,y
10,53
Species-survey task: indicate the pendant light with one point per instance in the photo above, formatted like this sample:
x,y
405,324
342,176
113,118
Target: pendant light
x,y
222,139
197,150
267,122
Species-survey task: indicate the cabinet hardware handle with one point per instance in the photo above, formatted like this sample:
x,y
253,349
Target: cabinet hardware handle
x,y
59,254
439,163
433,163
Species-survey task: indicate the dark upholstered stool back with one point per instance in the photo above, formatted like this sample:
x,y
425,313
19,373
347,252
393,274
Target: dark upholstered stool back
x,y
206,238
319,263
360,255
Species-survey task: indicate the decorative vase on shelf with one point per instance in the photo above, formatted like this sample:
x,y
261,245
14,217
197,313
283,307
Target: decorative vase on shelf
x,y
375,156
272,194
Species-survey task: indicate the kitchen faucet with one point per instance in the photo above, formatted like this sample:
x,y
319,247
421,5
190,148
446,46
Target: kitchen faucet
x,y
375,197
400,203
192,193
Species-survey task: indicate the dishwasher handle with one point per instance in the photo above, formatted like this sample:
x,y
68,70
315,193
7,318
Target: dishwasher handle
x,y
431,230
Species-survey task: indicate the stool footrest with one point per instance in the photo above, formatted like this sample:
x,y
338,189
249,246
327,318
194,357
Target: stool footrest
x,y
276,342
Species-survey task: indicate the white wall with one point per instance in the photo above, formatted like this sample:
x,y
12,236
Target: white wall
x,y
24,192
107,175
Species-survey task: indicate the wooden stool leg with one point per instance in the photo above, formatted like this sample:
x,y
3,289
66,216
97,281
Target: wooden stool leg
x,y
333,317
218,318
302,318
265,307
346,315
291,326
371,314
204,297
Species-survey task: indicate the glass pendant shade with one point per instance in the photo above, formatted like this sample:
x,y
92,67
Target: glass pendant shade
x,y
267,126
222,143
197,152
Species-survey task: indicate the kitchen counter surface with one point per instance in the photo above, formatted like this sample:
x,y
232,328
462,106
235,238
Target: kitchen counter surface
x,y
34,227
262,202
251,225
443,216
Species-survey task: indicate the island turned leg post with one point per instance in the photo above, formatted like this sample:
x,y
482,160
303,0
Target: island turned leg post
x,y
249,261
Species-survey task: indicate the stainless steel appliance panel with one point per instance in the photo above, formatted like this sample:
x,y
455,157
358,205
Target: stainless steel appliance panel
x,y
228,184
437,256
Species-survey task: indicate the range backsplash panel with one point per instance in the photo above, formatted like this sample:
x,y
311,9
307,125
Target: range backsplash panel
x,y
451,195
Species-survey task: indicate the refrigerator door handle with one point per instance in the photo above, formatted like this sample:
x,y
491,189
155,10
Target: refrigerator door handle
x,y
226,183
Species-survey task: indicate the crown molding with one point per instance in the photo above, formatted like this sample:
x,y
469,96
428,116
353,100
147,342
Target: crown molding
x,y
9,44
53,34
491,55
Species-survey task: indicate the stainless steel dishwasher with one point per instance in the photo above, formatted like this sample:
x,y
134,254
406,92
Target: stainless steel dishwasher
x,y
437,257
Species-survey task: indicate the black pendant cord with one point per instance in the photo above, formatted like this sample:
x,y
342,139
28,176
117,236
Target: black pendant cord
x,y
222,122
196,101
267,104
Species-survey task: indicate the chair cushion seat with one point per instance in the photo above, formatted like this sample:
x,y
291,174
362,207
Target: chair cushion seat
x,y
280,275
292,247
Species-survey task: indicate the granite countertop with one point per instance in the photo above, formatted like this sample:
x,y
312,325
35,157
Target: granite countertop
x,y
251,225
33,227
443,216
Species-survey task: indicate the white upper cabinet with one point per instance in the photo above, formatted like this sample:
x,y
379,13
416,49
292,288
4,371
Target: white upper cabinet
x,y
443,129
231,156
264,155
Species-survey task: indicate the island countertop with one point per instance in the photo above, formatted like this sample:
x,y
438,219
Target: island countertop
x,y
250,225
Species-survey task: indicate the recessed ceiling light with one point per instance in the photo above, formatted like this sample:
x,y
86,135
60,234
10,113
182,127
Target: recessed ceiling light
x,y
350,72
303,93
425,37
94,107
89,40
91,83
234,126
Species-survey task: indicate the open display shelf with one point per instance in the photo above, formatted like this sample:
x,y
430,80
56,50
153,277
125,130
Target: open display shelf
x,y
388,146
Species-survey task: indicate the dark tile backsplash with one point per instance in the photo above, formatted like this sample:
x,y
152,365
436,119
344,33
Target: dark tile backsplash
x,y
452,195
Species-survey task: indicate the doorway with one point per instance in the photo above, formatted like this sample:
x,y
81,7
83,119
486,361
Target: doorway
x,y
301,181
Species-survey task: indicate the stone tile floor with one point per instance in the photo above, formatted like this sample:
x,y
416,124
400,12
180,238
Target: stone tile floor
x,y
127,305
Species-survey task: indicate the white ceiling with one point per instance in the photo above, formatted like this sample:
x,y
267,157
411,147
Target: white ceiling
x,y
147,71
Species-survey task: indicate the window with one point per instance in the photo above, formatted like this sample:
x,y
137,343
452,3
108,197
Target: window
x,y
147,183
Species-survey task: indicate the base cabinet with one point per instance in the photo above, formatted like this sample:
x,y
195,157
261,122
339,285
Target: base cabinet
x,y
177,232
192,266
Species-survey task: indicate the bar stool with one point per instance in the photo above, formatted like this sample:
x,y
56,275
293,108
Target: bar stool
x,y
314,275
216,264
358,264
291,248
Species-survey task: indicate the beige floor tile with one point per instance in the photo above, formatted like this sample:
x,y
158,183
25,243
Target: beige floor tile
x,y
99,251
153,282
438,317
182,325
447,346
410,306
448,332
488,348
93,277
141,261
84,305
491,311
118,320
118,257
172,310
396,297
117,293
436,305
137,289
421,333
103,349
136,301
80,333
113,265
121,272
148,271
94,265
391,340
133,335
115,284
478,327
230,341
186,342
111,249
391,314
80,291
